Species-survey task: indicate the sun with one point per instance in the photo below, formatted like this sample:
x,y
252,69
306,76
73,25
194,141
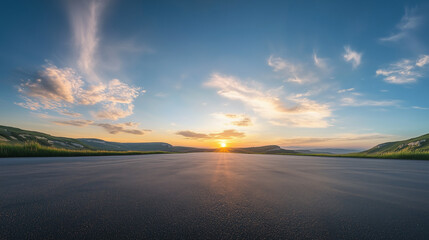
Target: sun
x,y
222,144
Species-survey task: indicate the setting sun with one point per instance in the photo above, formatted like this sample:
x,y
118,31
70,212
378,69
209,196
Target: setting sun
x,y
222,144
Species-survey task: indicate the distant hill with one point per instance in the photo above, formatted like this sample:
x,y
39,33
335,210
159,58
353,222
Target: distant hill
x,y
16,135
327,151
418,144
180,149
117,146
270,149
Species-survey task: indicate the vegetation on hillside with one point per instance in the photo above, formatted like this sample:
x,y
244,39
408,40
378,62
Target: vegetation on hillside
x,y
34,149
414,145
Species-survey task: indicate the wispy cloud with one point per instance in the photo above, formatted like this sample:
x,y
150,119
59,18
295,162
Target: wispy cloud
x,y
422,61
59,89
351,101
76,123
128,127
239,120
346,90
292,72
70,114
84,16
420,108
404,71
337,140
320,62
120,128
408,22
301,112
226,134
352,56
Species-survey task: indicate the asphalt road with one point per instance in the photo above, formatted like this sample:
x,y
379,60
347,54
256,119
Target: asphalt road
x,y
213,196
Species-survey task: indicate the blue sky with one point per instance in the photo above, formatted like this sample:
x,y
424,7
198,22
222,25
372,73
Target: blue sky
x,y
196,73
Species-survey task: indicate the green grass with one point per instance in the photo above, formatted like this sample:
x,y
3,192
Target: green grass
x,y
34,149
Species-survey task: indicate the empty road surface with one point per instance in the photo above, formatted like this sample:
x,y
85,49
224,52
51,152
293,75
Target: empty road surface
x,y
213,196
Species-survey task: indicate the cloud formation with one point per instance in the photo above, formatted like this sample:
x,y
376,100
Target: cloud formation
x,y
60,89
128,127
346,90
337,140
239,120
53,87
120,128
423,60
353,102
226,134
320,62
297,112
408,22
76,123
84,17
352,56
404,71
290,71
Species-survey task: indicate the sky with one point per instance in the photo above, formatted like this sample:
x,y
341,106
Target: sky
x,y
298,74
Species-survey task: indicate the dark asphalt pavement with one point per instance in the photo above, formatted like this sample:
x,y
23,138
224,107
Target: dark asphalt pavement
x,y
213,196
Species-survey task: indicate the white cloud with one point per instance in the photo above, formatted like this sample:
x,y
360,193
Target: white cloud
x,y
290,71
59,89
85,21
226,134
420,108
320,62
346,90
350,101
53,85
352,56
115,111
408,22
423,60
404,71
239,120
298,112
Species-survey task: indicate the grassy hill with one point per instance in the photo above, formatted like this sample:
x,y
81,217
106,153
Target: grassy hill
x,y
18,136
117,146
418,144
34,149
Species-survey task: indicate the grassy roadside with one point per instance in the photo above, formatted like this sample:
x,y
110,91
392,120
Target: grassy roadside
x,y
34,149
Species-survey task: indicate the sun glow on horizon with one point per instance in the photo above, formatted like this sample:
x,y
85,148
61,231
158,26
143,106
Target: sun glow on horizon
x,y
222,144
